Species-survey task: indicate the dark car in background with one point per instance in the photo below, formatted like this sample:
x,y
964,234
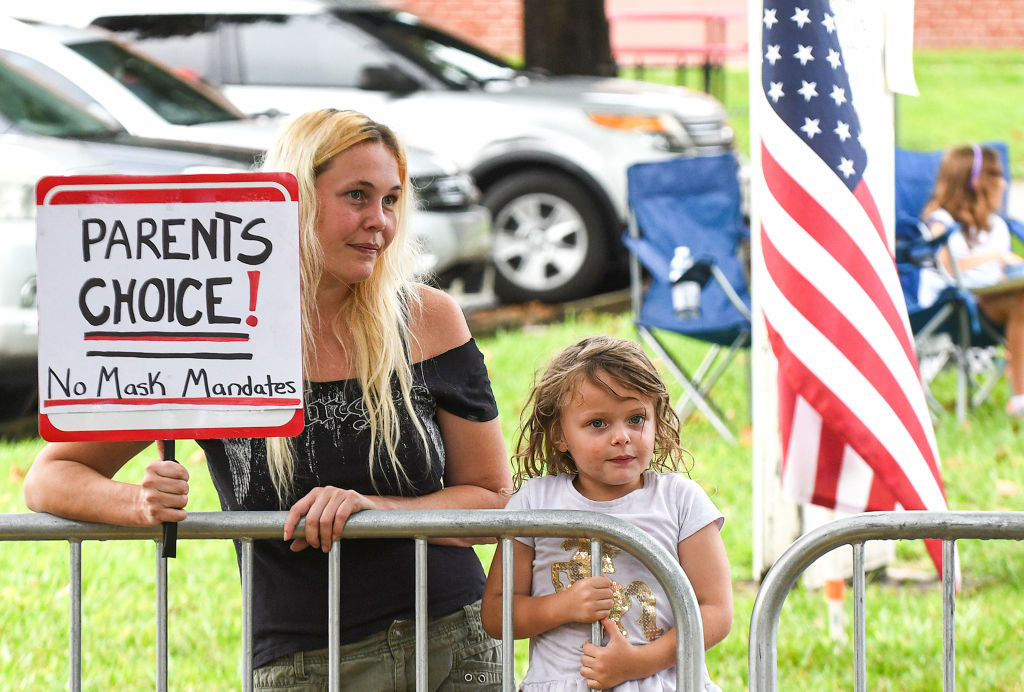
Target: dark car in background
x,y
549,153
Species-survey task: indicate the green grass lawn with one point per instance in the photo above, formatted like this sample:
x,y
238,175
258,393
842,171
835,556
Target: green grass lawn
x,y
966,96
983,467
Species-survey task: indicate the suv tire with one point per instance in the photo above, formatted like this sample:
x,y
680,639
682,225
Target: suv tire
x,y
550,242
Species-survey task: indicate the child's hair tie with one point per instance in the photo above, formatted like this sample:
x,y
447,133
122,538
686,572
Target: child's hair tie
x,y
976,166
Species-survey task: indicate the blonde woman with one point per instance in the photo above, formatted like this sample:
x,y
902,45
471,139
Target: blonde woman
x,y
399,414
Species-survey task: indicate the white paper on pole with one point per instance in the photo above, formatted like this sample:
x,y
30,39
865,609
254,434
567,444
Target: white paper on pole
x,y
899,47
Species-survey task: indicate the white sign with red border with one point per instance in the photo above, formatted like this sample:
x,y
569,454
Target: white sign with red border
x,y
169,306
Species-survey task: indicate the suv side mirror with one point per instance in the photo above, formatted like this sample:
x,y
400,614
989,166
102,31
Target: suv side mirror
x,y
387,78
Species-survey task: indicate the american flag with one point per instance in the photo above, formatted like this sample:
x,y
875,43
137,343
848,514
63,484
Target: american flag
x,y
855,426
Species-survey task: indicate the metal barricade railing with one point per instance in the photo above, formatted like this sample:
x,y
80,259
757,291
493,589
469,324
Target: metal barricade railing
x,y
418,525
854,531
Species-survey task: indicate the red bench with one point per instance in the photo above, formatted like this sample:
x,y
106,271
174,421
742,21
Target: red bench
x,y
709,54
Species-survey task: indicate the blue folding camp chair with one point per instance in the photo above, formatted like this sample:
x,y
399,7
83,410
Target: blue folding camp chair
x,y
951,330
687,229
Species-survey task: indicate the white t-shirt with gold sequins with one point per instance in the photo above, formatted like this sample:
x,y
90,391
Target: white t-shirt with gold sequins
x,y
669,508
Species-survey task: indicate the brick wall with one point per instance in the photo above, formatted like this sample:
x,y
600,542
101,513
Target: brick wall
x,y
969,24
497,24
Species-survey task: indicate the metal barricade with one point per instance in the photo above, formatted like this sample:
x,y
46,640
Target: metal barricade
x,y
418,525
854,531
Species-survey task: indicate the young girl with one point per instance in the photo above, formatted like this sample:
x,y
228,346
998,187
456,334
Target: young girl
x,y
969,191
601,436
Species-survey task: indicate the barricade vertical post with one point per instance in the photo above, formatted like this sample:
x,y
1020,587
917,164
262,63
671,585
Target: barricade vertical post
x,y
334,618
508,656
859,639
161,618
596,570
75,630
247,591
948,616
421,614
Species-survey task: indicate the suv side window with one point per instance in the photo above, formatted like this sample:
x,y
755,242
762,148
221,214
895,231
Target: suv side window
x,y
307,50
56,81
186,41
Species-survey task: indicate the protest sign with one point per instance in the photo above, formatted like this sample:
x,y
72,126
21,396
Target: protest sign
x,y
169,306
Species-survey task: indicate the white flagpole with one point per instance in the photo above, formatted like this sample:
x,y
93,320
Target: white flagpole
x,y
776,521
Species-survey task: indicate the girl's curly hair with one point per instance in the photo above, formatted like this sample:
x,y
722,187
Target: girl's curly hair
x,y
602,361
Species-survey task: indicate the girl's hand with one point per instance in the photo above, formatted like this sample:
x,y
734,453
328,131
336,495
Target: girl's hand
x,y
163,493
604,667
326,510
589,600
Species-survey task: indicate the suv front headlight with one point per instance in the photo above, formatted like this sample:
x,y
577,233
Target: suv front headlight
x,y
444,192
664,130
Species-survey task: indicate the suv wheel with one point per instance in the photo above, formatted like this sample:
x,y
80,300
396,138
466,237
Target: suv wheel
x,y
549,241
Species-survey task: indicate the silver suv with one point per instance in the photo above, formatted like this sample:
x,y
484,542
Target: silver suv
x,y
549,153
110,80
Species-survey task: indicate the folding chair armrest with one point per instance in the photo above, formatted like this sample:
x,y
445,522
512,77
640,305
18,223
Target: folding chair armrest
x,y
653,261
941,240
920,249
704,268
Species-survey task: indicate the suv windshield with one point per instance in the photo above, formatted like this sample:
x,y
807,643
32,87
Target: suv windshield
x,y
455,62
174,99
27,106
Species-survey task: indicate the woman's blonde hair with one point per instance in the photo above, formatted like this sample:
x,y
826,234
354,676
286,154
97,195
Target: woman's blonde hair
x,y
603,361
377,310
965,185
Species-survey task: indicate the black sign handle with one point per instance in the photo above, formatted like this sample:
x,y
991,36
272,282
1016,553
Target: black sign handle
x,y
170,545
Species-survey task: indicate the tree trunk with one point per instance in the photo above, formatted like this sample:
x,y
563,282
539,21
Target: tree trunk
x,y
567,37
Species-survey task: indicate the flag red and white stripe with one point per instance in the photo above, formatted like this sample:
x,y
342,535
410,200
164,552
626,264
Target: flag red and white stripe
x,y
856,431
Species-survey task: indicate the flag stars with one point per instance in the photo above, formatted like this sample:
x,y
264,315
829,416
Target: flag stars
x,y
802,58
803,54
810,127
808,90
